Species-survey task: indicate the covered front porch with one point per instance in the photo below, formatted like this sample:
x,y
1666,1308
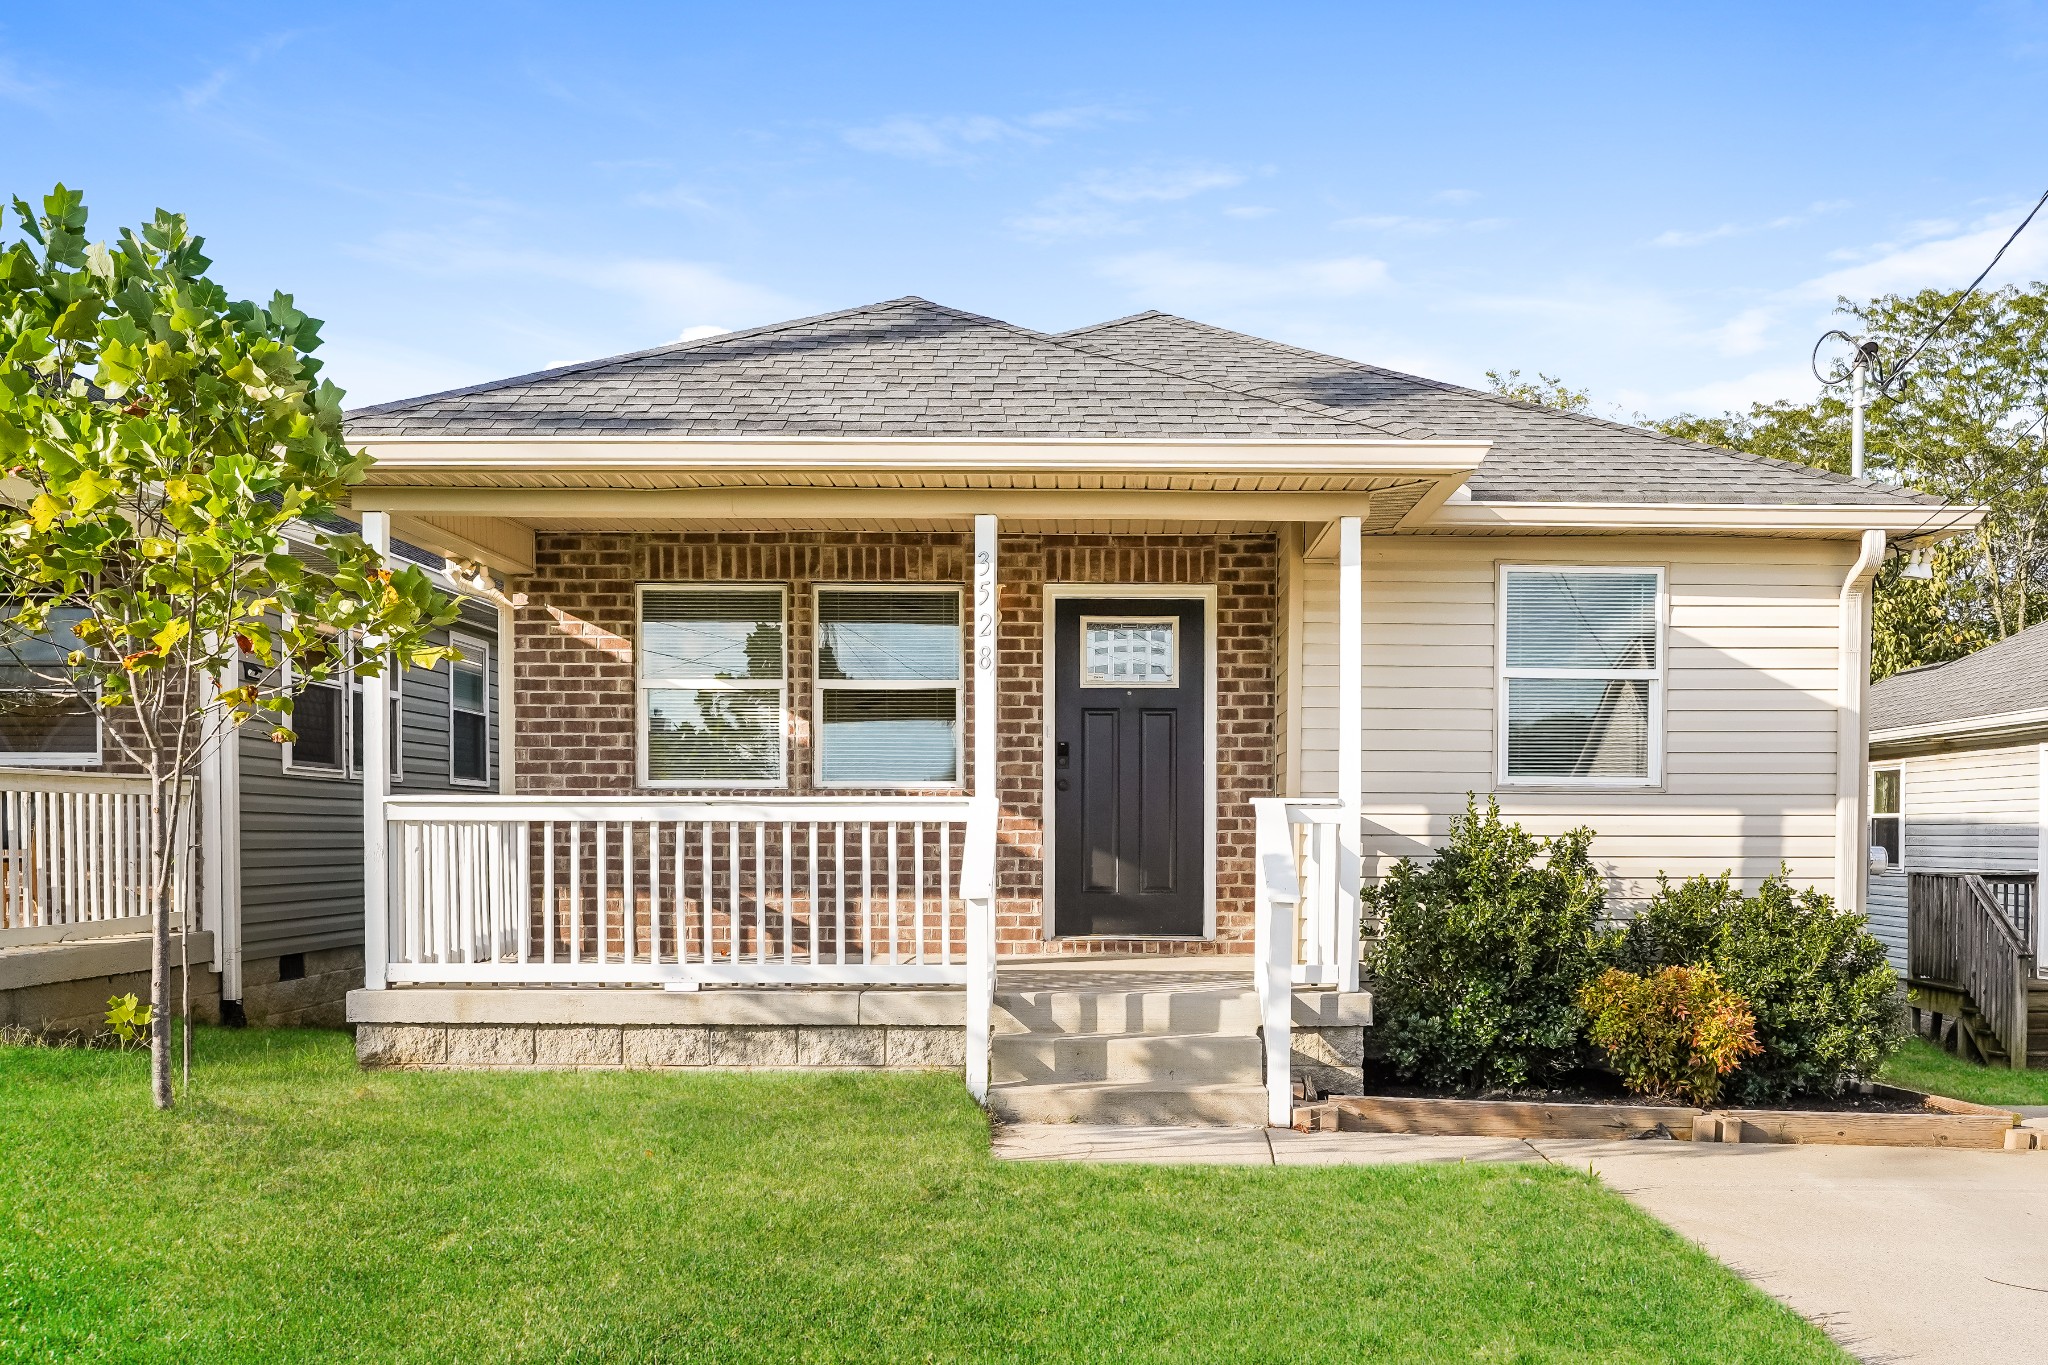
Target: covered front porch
x,y
594,890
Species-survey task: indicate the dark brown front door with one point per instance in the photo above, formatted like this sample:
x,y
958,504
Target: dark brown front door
x,y
1129,766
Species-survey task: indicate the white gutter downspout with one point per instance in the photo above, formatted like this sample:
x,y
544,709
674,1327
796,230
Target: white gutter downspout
x,y
1852,735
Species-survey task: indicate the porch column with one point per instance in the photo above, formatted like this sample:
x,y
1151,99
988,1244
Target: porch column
x,y
376,785
508,730
977,881
1350,742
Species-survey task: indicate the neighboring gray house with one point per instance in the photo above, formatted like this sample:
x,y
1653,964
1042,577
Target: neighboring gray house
x,y
279,906
1957,781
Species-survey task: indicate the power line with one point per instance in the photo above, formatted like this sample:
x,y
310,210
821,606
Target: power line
x,y
1884,382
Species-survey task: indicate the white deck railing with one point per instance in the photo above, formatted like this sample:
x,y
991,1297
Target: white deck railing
x,y
75,855
1308,915
623,890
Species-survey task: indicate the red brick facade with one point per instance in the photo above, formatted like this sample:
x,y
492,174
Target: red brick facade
x,y
576,707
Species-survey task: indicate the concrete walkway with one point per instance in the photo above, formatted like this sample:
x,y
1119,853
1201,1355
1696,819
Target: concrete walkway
x,y
1902,1254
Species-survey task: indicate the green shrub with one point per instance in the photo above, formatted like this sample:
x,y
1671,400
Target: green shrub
x,y
1677,1032
1825,999
1486,947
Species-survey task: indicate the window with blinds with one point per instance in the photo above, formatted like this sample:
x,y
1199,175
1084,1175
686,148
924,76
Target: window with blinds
x,y
1582,664
1887,832
889,673
713,685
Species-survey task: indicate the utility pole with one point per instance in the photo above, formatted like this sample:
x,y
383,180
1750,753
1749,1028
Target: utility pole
x,y
1862,359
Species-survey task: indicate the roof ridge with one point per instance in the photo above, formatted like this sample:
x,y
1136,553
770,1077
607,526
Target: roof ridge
x,y
1772,461
577,367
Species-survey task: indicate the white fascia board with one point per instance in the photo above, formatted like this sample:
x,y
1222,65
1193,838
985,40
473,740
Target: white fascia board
x,y
572,454
1912,523
1973,725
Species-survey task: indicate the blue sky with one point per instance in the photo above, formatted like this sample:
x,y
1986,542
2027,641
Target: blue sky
x,y
1657,203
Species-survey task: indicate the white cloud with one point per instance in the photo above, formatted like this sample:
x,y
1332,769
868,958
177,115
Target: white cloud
x,y
1090,206
1188,282
1454,196
1726,395
1405,225
1745,333
680,197
954,138
701,331
1948,262
1698,236
1248,211
666,290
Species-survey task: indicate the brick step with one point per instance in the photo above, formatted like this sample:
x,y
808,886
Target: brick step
x,y
1181,1011
1131,1103
1184,1059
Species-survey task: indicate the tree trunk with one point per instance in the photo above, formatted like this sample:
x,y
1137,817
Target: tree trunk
x,y
160,953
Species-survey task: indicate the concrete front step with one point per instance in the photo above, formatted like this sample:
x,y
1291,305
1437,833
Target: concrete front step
x,y
1167,1011
1184,1059
1130,1103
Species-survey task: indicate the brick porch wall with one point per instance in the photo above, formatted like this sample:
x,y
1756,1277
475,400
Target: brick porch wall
x,y
575,695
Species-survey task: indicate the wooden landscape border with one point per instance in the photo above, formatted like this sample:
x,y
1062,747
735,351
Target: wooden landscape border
x,y
1958,1123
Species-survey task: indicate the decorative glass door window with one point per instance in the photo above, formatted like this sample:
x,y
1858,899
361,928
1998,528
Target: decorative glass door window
x,y
889,687
712,685
1128,651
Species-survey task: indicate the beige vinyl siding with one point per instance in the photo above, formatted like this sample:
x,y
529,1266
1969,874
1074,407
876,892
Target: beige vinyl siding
x,y
1749,716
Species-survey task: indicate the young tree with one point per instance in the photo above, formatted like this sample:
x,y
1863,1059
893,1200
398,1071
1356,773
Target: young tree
x,y
158,440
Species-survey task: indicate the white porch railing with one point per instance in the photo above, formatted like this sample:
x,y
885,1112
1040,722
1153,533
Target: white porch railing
x,y
1308,915
542,890
76,851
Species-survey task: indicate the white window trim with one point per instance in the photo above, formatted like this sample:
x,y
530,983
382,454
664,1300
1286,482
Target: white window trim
x,y
1172,622
65,758
473,648
1655,676
1870,824
642,685
819,686
347,683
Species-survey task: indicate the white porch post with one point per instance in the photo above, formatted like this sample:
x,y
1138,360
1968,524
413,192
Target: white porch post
x,y
376,786
1276,900
1350,743
508,730
977,881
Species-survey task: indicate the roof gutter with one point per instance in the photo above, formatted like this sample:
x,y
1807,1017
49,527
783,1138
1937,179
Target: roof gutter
x,y
1852,854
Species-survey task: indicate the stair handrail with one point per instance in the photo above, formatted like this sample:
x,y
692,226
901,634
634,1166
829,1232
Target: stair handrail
x,y
1277,898
1960,937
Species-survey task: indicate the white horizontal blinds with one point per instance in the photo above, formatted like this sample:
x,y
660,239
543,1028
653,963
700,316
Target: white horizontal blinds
x,y
1886,840
712,668
40,715
469,691
1582,670
889,676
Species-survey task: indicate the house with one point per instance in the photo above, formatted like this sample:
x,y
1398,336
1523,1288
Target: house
x,y
942,691
275,897
1958,828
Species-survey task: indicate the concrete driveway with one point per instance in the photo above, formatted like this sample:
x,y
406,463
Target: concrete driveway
x,y
1902,1254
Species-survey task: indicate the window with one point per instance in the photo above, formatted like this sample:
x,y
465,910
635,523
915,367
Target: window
x,y
713,685
889,669
469,712
1887,825
323,727
1118,651
1582,662
44,721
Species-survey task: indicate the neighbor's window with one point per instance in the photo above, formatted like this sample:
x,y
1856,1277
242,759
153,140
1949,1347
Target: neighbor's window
x,y
469,712
1582,657
1887,834
43,720
713,685
888,687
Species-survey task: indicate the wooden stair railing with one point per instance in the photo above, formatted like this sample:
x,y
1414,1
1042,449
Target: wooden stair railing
x,y
1960,939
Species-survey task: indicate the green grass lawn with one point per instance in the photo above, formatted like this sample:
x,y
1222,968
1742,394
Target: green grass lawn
x,y
298,1209
1920,1065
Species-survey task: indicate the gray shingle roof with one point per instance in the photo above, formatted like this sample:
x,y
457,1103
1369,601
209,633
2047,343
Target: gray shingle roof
x,y
1539,454
1998,680
904,368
